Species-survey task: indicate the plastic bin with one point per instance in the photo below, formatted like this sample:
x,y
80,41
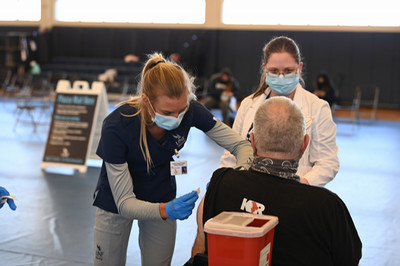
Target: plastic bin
x,y
238,238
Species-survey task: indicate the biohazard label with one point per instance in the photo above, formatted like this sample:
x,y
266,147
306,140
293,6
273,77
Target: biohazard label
x,y
265,255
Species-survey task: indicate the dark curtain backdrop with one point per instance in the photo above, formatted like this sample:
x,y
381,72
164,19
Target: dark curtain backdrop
x,y
350,58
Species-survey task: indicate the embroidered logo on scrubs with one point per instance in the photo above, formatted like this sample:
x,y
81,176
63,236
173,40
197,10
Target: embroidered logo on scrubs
x,y
99,253
179,140
252,206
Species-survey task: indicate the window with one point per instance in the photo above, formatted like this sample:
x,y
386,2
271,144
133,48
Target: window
x,y
139,11
311,12
25,10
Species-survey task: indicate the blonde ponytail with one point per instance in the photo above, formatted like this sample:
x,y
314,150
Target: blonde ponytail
x,y
159,77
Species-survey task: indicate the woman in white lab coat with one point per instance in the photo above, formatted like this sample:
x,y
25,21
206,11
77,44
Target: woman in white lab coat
x,y
281,75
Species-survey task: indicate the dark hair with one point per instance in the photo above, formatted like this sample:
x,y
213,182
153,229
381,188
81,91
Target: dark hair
x,y
279,44
326,82
226,71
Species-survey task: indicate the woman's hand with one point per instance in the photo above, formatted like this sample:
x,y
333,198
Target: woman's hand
x,y
180,208
5,197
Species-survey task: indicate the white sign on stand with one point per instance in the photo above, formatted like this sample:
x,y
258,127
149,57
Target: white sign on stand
x,y
76,125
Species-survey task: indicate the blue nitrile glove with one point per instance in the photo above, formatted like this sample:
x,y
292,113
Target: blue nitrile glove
x,y
181,208
4,192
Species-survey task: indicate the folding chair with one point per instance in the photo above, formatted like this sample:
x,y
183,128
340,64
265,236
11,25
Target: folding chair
x,y
369,101
5,77
34,100
353,107
18,82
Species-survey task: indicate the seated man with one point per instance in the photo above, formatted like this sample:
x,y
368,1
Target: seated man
x,y
222,87
315,227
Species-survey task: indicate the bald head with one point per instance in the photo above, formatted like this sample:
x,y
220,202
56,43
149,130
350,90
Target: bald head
x,y
279,129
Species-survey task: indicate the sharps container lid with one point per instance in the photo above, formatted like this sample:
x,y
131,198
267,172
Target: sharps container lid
x,y
240,224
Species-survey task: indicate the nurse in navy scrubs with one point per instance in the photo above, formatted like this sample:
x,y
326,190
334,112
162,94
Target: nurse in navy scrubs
x,y
137,143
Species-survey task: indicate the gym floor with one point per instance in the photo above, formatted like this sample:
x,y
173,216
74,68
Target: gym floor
x,y
53,223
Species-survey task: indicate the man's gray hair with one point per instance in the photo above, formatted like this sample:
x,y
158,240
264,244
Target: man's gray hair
x,y
279,127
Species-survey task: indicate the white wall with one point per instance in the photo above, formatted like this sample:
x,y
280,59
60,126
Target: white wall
x,y
213,21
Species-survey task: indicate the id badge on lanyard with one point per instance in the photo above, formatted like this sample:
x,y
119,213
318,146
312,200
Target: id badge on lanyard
x,y
178,167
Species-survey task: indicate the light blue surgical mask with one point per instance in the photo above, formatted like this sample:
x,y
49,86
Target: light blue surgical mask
x,y
165,121
282,84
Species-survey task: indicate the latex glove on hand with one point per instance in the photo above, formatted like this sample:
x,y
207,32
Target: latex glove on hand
x,y
4,197
181,208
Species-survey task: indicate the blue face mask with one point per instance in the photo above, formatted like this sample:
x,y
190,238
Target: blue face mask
x,y
282,84
167,122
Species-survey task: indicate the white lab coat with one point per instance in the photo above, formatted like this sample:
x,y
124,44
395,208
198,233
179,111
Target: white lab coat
x,y
319,163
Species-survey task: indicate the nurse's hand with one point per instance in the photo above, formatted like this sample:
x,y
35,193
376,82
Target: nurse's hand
x,y
181,208
5,197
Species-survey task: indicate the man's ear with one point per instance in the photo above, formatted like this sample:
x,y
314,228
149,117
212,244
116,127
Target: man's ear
x,y
305,144
253,143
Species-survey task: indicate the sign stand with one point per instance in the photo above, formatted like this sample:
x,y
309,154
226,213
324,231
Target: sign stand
x,y
75,127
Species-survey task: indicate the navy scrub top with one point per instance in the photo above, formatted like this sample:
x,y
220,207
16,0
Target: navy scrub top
x,y
119,143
